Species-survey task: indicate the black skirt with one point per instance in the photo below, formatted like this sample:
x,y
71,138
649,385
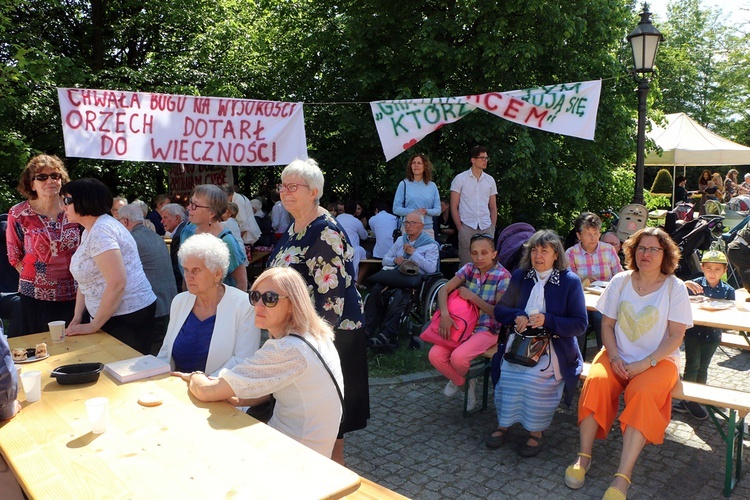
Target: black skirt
x,y
352,348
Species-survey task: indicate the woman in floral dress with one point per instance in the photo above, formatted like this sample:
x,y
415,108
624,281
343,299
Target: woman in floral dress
x,y
316,246
41,242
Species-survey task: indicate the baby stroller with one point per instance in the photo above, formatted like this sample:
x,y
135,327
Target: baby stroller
x,y
684,211
510,244
733,273
691,237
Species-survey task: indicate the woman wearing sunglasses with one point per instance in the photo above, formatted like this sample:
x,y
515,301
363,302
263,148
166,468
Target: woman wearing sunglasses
x,y
306,388
316,246
212,325
41,242
645,314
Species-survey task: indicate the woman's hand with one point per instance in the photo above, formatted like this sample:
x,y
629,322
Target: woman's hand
x,y
637,367
421,211
521,322
619,368
536,320
80,329
446,322
467,294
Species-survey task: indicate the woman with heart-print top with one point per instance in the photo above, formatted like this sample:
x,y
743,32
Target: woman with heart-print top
x,y
646,312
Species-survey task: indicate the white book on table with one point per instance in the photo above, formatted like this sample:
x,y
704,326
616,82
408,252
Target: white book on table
x,y
128,370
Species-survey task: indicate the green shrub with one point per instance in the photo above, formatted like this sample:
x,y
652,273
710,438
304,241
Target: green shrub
x,y
656,201
662,182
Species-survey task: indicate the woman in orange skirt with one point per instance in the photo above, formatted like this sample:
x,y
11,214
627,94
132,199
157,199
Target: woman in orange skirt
x,y
646,312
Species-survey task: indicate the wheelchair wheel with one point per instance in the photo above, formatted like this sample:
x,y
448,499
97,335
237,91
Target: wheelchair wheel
x,y
430,300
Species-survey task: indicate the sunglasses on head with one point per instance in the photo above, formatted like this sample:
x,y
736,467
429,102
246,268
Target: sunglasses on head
x,y
269,299
483,235
43,177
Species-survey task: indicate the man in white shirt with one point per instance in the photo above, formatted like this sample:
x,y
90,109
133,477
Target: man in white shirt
x,y
386,303
245,218
280,218
473,202
355,231
382,224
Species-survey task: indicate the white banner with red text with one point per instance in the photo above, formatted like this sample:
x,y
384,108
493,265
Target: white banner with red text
x,y
568,109
140,126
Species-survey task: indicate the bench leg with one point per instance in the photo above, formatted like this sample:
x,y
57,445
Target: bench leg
x,y
733,439
476,371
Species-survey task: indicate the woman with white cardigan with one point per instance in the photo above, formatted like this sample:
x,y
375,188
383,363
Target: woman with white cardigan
x,y
211,326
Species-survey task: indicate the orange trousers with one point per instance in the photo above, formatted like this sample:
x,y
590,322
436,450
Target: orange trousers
x,y
648,398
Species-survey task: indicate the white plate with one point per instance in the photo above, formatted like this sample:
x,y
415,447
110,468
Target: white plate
x,y
595,289
31,359
715,305
600,284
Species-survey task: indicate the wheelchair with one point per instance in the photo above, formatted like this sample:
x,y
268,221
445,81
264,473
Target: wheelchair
x,y
421,305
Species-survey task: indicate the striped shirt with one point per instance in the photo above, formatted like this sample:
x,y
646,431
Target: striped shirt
x,y
602,264
489,288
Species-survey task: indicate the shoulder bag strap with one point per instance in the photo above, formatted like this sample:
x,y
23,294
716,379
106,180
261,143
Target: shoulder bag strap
x,y
336,384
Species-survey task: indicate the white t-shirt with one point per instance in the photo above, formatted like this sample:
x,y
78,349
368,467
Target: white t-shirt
x,y
108,234
641,322
353,228
246,220
383,224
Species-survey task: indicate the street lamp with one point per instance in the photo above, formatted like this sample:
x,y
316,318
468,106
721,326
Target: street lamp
x,y
644,40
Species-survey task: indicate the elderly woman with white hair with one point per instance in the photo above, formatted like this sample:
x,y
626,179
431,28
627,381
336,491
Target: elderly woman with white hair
x,y
211,326
316,246
207,205
298,364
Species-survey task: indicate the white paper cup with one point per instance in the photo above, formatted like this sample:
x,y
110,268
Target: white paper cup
x,y
32,385
97,409
57,330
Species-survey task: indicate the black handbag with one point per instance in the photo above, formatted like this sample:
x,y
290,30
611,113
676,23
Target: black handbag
x,y
528,347
397,232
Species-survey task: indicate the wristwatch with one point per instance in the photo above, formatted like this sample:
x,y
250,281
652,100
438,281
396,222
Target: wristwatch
x,y
652,361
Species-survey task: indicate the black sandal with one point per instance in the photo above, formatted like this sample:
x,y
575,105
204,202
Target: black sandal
x,y
494,442
380,342
531,451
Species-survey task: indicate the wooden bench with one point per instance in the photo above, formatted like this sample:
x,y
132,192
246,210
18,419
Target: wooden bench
x,y
735,340
724,405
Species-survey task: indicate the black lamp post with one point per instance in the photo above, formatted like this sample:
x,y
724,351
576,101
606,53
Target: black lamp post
x,y
644,40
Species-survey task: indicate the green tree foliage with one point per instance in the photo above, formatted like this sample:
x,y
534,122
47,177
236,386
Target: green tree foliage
x,y
348,53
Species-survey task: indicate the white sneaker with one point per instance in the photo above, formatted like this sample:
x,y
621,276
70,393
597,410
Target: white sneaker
x,y
471,397
450,389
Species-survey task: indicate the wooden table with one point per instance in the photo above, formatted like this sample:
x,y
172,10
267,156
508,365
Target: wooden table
x,y
734,318
181,449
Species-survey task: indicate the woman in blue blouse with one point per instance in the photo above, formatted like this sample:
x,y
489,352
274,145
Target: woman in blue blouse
x,y
316,246
212,325
418,193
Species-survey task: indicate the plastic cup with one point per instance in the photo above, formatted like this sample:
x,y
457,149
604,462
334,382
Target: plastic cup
x,y
97,409
32,385
57,330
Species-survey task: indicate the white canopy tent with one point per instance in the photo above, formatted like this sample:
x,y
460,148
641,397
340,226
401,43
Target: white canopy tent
x,y
685,142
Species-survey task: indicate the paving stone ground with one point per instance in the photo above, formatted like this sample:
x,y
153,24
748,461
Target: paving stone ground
x,y
418,444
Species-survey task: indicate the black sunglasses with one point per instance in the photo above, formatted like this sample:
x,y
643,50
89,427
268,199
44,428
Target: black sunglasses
x,y
483,235
43,177
67,200
270,299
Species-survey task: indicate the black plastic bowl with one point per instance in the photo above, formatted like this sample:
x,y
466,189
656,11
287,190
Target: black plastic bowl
x,y
81,373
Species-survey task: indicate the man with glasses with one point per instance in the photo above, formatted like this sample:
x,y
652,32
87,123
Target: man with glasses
x,y
473,202
414,245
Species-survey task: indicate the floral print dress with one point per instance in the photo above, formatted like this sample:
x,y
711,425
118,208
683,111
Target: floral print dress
x,y
324,257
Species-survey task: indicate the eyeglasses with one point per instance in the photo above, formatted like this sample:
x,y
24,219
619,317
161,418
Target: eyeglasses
x,y
270,299
651,250
67,200
193,205
482,158
43,177
412,222
478,236
291,187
